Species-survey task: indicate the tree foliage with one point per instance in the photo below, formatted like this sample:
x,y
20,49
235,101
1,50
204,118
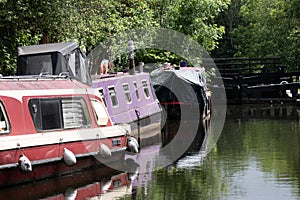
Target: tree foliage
x,y
263,28
195,18
28,22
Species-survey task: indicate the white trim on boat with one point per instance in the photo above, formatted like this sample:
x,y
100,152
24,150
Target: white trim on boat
x,y
38,162
38,139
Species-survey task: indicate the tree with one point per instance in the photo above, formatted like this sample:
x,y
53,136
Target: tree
x,y
269,28
28,22
230,19
195,18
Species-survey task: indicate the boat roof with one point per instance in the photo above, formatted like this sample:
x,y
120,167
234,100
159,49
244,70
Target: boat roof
x,y
191,75
116,75
63,48
39,83
181,84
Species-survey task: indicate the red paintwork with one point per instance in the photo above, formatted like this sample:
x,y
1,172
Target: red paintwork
x,y
21,124
18,112
56,150
12,176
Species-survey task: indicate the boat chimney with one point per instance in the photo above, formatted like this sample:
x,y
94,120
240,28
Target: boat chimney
x,y
131,57
182,63
141,67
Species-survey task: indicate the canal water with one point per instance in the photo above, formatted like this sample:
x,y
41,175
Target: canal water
x,y
257,156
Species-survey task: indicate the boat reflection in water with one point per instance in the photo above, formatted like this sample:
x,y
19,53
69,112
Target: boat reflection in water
x,y
263,111
107,183
196,151
100,181
151,157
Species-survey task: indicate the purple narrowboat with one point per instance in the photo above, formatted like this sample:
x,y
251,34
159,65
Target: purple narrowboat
x,y
131,99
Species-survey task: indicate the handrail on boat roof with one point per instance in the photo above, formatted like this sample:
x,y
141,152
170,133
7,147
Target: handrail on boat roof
x,y
41,76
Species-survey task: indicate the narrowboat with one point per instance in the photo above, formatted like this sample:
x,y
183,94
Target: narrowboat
x,y
131,99
128,94
182,91
52,125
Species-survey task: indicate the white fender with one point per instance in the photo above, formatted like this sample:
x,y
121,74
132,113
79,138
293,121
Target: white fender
x,y
105,185
104,151
70,194
134,175
135,142
133,145
283,82
24,164
288,92
69,157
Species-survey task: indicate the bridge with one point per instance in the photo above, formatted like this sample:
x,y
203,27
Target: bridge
x,y
253,80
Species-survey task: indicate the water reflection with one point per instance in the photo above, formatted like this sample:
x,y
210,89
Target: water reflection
x,y
257,157
197,150
258,152
80,185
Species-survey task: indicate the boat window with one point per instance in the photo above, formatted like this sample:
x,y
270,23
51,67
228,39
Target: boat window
x,y
101,92
34,64
50,114
99,112
40,64
113,96
136,91
4,123
74,112
145,88
59,113
127,93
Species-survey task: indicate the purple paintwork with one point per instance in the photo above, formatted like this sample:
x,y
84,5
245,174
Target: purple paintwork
x,y
126,112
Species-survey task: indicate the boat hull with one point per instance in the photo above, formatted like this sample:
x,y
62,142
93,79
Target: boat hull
x,y
47,157
147,130
13,175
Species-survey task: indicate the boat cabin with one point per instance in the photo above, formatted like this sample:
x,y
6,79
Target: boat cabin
x,y
53,59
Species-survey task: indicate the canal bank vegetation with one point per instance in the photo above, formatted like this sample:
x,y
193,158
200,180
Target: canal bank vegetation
x,y
26,22
261,29
226,28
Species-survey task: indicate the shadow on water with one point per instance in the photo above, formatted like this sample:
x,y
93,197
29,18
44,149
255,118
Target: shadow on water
x,y
200,132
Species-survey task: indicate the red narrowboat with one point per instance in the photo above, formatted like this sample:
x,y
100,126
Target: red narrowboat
x,y
52,125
